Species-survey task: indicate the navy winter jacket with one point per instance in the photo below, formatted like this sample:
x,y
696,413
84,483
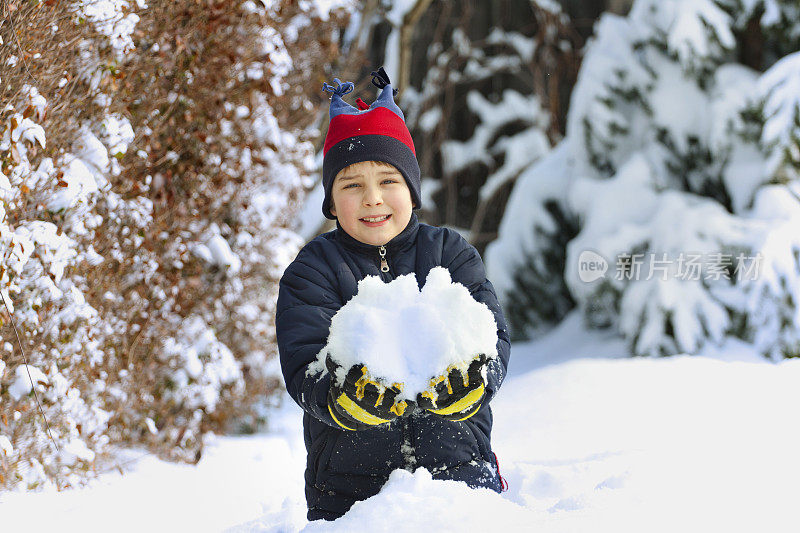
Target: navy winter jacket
x,y
346,466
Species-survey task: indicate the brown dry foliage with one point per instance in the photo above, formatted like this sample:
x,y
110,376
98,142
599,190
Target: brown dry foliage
x,y
176,99
43,37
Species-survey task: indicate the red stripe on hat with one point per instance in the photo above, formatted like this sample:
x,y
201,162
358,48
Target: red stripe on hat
x,y
379,121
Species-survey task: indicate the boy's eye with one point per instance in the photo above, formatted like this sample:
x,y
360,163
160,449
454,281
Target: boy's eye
x,y
390,180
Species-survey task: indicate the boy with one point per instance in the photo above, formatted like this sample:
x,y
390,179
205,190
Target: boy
x,y
355,436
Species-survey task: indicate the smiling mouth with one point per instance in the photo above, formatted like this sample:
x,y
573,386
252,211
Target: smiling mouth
x,y
375,220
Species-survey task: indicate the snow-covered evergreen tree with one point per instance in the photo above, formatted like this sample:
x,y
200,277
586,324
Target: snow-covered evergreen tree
x,y
485,105
677,166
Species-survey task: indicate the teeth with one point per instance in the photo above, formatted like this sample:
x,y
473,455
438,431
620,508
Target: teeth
x,y
376,219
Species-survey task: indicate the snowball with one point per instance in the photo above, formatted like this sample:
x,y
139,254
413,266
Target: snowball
x,y
409,336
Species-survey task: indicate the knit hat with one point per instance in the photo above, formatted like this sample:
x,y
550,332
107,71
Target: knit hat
x,y
376,132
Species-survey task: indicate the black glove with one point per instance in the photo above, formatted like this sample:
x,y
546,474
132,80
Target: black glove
x,y
455,395
362,402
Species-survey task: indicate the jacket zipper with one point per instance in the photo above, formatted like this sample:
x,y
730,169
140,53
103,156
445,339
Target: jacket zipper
x,y
382,255
413,456
407,447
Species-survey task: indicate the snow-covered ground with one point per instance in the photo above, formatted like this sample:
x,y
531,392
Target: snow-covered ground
x,y
588,441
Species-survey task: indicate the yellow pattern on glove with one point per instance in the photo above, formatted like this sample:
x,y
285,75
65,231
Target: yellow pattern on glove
x,y
358,412
337,420
469,415
362,401
464,403
458,393
399,408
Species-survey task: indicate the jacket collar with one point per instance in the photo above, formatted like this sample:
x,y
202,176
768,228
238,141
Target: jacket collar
x,y
401,242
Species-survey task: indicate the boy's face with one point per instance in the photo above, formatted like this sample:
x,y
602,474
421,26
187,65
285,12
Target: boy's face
x,y
372,202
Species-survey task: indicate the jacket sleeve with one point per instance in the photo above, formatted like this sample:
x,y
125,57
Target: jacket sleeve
x,y
466,267
306,304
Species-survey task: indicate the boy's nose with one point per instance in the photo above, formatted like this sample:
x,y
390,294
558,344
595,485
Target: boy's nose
x,y
372,196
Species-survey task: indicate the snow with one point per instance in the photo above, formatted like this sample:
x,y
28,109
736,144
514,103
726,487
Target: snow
x,y
520,150
623,214
110,19
681,121
662,156
549,178
29,131
222,254
688,33
667,444
118,133
395,15
450,328
615,212
765,296
203,365
415,502
56,251
745,172
24,375
549,5
74,450
610,48
457,155
525,46
35,99
587,439
5,446
237,479
215,250
430,119
80,183
780,85
694,29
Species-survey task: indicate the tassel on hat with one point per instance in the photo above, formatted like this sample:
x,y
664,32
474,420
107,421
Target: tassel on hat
x,y
375,132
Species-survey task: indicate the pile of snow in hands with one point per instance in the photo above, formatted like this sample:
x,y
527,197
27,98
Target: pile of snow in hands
x,y
406,335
